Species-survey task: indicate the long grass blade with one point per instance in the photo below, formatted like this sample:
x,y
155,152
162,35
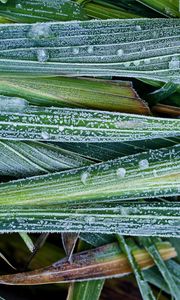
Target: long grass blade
x,y
146,175
76,92
136,219
23,159
141,48
20,121
104,262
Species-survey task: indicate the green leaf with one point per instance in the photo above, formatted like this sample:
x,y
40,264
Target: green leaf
x,y
102,262
166,7
137,219
76,92
145,289
150,246
107,151
149,174
27,240
41,11
142,48
87,290
20,121
23,159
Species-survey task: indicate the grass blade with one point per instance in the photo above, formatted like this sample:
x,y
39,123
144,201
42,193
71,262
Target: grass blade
x,y
87,290
135,219
76,92
27,240
167,7
141,48
23,159
150,246
146,175
145,289
41,11
25,122
103,262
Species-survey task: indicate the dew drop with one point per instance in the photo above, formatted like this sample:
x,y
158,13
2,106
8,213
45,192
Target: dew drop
x,y
40,31
143,164
90,49
84,177
174,63
61,128
136,62
18,5
147,61
120,52
42,55
12,103
45,135
121,172
138,27
75,50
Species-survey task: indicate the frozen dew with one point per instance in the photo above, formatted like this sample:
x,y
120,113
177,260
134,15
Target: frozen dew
x,y
42,55
18,5
12,103
61,128
90,49
154,173
136,62
120,52
45,135
174,63
121,172
138,27
84,177
147,61
40,31
143,164
75,50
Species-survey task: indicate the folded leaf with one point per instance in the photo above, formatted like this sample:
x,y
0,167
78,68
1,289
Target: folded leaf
x,y
76,92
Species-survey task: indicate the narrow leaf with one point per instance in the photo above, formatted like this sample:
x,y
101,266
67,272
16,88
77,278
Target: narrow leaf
x,y
27,240
140,48
103,262
78,125
135,219
150,246
146,175
76,92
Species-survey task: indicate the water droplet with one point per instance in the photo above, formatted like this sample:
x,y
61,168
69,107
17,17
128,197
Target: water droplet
x,y
120,52
90,49
75,50
136,62
45,135
42,55
84,177
155,173
147,61
127,64
174,63
138,27
121,172
143,164
12,103
18,5
61,128
40,31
